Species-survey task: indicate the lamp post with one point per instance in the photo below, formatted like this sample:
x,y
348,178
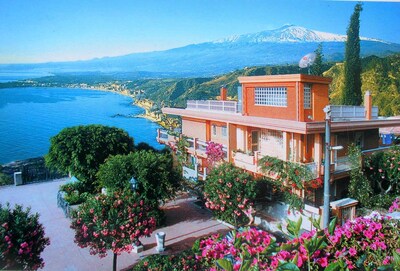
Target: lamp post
x,y
133,183
327,165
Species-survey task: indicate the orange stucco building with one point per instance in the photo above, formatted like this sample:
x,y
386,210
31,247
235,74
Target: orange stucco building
x,y
280,116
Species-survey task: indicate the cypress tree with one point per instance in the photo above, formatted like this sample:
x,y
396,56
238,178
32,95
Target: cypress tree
x,y
352,65
317,68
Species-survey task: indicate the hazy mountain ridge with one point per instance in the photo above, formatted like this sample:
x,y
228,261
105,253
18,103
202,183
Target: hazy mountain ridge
x,y
285,45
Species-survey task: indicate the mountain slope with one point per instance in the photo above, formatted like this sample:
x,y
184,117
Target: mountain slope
x,y
285,45
381,76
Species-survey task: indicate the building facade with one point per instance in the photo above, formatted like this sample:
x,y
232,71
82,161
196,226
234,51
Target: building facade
x,y
280,116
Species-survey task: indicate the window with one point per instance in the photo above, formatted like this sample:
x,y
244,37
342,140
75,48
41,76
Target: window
x,y
307,96
214,130
271,96
224,131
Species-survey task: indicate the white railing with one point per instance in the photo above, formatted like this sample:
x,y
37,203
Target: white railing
x,y
201,145
163,134
351,112
210,105
189,173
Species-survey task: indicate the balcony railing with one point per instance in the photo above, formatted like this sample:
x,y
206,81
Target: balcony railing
x,y
351,112
210,105
342,164
313,167
246,161
163,137
189,173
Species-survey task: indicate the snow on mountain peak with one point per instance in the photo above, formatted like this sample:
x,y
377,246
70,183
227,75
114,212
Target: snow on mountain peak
x,y
288,33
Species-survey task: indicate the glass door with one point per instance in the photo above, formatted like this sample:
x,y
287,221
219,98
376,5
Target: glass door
x,y
255,141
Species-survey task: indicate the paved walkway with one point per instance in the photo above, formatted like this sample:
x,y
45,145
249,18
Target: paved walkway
x,y
185,223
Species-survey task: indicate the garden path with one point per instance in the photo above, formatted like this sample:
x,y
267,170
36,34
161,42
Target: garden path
x,y
185,223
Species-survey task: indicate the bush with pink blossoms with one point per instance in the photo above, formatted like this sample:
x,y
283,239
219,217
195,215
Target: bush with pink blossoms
x,y
215,153
22,239
244,249
395,207
229,193
365,243
112,222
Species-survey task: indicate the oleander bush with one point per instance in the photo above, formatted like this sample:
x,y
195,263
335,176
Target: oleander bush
x,y
22,239
112,222
229,193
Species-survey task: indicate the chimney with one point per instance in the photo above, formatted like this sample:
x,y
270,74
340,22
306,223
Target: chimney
x,y
223,93
368,105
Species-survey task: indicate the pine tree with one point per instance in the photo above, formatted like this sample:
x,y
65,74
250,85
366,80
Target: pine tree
x,y
317,68
352,65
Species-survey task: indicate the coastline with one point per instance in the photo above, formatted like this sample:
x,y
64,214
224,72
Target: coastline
x,y
16,161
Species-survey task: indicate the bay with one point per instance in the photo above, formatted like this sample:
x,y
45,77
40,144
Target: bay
x,y
30,116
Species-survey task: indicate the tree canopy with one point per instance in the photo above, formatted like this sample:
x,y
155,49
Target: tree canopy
x,y
80,150
156,178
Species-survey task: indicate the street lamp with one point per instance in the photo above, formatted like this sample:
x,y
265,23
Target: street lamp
x,y
327,164
133,183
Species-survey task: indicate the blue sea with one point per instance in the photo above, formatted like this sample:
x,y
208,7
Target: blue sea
x,y
30,116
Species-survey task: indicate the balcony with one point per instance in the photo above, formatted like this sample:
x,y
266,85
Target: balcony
x,y
197,147
194,174
210,105
163,137
342,164
246,161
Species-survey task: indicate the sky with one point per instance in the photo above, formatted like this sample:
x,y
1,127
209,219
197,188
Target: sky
x,y
35,31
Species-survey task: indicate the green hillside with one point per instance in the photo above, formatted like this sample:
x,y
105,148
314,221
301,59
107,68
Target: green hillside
x,y
381,76
175,92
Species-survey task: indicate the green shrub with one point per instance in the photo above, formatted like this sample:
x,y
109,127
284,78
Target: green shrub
x,y
383,201
5,179
75,193
182,261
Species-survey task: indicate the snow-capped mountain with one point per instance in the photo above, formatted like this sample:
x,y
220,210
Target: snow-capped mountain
x,y
285,45
289,33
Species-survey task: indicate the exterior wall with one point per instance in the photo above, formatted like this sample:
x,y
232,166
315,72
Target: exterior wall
x,y
218,137
271,145
369,139
295,97
320,99
249,108
194,128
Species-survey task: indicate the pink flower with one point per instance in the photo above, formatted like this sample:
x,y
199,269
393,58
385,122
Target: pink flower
x,y
323,262
352,251
24,244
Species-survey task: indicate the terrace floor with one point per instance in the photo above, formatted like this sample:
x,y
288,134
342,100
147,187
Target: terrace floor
x,y
185,223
